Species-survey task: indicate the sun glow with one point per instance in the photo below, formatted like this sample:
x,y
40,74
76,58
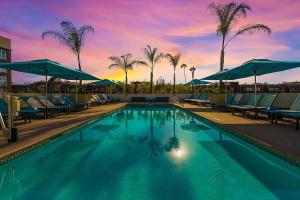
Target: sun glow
x,y
179,153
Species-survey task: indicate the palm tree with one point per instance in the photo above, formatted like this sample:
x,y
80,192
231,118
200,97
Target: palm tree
x,y
174,62
228,15
193,69
153,57
72,37
184,66
126,63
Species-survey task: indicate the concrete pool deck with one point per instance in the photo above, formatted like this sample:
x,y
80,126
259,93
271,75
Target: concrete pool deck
x,y
40,130
281,139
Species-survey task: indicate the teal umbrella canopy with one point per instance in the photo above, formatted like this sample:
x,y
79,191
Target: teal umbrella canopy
x,y
262,66
221,75
197,82
105,82
255,67
47,67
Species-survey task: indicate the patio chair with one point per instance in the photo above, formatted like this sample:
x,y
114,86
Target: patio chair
x,y
105,98
292,113
262,104
284,101
61,107
26,113
234,101
34,103
69,101
202,99
247,104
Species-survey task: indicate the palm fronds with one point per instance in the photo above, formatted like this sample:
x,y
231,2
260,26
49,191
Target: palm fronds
x,y
228,16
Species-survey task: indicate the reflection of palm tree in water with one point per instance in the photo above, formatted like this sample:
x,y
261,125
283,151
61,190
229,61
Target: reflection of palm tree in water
x,y
173,142
154,144
128,140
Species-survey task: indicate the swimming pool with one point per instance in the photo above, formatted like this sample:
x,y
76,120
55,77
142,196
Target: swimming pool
x,y
148,152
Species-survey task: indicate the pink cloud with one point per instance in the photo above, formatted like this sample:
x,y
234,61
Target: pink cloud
x,y
127,26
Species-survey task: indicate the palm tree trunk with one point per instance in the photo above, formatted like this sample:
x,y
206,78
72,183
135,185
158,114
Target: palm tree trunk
x,y
126,87
184,75
222,54
193,75
151,81
79,67
222,58
174,81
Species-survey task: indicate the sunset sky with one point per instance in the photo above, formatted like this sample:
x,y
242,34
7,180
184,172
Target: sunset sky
x,y
121,27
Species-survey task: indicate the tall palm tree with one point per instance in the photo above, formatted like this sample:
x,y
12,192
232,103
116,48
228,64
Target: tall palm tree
x,y
72,37
126,63
227,16
153,57
184,66
193,69
174,62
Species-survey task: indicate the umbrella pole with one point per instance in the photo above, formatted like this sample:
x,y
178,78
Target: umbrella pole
x,y
255,93
255,88
46,96
225,91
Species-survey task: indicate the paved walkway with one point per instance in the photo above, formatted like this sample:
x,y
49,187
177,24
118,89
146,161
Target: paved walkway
x,y
282,138
40,130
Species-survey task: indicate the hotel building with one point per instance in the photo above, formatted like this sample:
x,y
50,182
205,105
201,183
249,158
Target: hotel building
x,y
5,56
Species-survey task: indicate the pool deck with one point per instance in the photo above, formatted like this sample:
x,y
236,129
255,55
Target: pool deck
x,y
282,139
40,130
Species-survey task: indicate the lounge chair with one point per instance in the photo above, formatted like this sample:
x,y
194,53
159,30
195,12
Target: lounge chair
x,y
3,108
202,99
62,107
262,104
247,104
93,100
193,96
104,99
231,99
34,103
292,113
69,101
61,100
26,113
235,100
284,101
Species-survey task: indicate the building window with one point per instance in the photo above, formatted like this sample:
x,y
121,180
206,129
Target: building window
x,y
2,54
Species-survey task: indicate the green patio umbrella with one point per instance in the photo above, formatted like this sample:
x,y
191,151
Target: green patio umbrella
x,y
197,82
255,67
47,68
221,75
105,82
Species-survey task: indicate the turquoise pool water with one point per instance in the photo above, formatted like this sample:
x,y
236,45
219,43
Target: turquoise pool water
x,y
151,153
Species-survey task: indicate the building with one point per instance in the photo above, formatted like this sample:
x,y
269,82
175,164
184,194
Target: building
x,y
5,56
